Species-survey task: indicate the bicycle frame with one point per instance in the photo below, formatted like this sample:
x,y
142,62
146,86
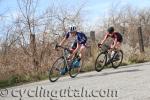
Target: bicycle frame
x,y
66,63
107,50
65,51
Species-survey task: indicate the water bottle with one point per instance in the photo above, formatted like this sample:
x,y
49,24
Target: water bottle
x,y
112,54
76,63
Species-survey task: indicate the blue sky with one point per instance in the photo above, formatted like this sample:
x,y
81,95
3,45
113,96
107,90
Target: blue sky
x,y
92,8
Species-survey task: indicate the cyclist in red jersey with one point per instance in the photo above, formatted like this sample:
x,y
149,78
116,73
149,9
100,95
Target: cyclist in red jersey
x,y
116,36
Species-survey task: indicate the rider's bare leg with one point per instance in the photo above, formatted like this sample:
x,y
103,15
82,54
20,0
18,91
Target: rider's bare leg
x,y
117,47
82,52
82,55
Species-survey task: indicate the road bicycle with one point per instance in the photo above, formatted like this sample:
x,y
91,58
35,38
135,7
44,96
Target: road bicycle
x,y
105,58
65,65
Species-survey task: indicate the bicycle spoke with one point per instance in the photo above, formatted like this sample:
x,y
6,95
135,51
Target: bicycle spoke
x,y
100,62
54,72
117,59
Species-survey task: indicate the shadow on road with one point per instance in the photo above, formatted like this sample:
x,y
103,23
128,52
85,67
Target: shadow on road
x,y
110,73
102,74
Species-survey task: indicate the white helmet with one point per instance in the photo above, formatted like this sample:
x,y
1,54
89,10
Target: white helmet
x,y
72,29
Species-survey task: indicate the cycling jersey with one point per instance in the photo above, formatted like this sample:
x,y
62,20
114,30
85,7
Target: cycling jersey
x,y
80,37
115,35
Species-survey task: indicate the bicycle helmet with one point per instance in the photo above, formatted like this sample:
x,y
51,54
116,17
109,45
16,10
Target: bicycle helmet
x,y
72,29
110,29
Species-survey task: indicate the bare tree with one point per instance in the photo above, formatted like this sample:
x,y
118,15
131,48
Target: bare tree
x,y
27,21
30,35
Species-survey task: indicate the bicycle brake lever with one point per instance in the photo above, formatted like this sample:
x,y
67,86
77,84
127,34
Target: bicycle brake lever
x,y
56,47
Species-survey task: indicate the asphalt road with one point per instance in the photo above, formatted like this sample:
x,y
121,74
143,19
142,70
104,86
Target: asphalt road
x,y
125,83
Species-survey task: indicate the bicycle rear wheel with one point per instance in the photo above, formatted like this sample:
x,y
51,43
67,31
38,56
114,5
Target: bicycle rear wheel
x,y
117,59
100,61
54,72
74,71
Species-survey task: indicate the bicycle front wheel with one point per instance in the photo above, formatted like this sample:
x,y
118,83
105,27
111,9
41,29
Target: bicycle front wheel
x,y
100,61
54,72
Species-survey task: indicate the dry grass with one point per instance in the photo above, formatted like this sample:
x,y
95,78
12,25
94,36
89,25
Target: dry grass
x,y
133,55
17,67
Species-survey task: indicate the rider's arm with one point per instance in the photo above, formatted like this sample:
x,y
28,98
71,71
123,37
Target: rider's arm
x,y
105,37
65,38
63,41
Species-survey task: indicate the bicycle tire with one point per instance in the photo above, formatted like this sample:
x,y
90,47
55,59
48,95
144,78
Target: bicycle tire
x,y
55,77
113,62
74,71
97,63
